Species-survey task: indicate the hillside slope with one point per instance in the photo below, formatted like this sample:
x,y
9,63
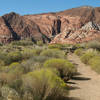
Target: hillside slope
x,y
70,26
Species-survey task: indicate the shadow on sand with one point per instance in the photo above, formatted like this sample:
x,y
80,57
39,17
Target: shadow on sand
x,y
70,82
77,73
80,78
70,98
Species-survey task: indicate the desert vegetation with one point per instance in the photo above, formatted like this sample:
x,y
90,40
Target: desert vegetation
x,y
31,71
90,55
40,71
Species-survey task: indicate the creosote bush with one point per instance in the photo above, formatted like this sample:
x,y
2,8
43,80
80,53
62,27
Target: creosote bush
x,y
53,53
23,43
44,84
3,56
15,68
95,63
13,57
94,45
58,46
65,68
88,55
34,72
9,93
79,52
1,63
28,53
40,43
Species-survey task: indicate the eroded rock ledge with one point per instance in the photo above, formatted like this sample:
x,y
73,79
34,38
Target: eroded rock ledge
x,y
71,26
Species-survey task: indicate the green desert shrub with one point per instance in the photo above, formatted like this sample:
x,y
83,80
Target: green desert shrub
x,y
37,51
94,45
87,56
28,53
33,63
15,68
22,43
8,78
2,63
44,84
79,52
27,65
40,59
95,63
3,55
30,65
40,43
13,57
53,53
1,44
77,46
11,79
58,46
9,93
80,45
55,46
65,68
16,84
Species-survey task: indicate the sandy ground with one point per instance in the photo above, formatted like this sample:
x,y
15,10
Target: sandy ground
x,y
86,84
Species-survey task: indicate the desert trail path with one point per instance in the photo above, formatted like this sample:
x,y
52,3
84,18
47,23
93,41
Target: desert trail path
x,y
86,84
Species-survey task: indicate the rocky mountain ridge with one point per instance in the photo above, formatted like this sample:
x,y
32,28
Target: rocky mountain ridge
x,y
70,26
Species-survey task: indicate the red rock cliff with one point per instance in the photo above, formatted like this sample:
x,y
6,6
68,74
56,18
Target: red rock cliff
x,y
70,26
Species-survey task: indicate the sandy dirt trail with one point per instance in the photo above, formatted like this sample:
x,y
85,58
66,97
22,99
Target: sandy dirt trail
x,y
86,84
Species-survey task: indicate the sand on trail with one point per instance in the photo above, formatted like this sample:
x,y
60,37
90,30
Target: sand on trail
x,y
86,84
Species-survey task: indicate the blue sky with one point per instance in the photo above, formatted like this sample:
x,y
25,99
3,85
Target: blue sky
x,y
41,6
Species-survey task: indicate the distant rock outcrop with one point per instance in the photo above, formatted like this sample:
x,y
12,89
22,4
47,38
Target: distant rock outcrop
x,y
87,32
90,26
70,26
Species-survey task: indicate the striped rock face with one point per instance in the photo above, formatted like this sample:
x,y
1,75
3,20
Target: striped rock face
x,y
70,26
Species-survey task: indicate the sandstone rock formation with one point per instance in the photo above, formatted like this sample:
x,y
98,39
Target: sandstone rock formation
x,y
71,26
84,34
84,25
